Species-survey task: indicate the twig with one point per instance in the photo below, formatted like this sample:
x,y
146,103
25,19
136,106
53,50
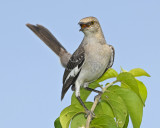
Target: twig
x,y
89,118
107,86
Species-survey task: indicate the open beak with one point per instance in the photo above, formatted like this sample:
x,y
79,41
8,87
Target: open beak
x,y
83,26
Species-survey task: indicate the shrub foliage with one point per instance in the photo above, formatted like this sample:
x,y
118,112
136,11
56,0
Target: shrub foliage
x,y
116,105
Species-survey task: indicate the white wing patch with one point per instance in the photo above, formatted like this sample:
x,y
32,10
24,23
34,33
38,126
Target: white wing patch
x,y
73,73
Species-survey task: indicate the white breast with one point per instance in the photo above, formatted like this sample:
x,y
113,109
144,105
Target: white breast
x,y
97,57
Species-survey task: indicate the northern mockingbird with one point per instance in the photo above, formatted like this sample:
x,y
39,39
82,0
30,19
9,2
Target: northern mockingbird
x,y
88,63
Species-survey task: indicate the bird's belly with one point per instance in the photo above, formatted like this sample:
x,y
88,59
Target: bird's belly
x,y
94,68
93,71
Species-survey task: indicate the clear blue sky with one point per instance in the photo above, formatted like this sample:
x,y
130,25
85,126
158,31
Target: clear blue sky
x,y
30,73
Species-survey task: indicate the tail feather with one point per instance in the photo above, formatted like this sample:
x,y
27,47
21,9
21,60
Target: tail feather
x,y
46,36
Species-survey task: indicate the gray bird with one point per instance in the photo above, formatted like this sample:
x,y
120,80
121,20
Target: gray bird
x,y
88,63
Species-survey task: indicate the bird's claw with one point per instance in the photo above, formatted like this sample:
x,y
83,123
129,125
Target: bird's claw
x,y
89,113
99,95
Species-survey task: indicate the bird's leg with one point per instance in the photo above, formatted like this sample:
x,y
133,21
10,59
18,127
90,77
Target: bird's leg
x,y
94,90
77,93
80,100
86,109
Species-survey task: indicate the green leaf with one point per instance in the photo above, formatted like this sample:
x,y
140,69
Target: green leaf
x,y
110,73
128,80
84,93
79,121
103,121
122,70
103,108
71,111
142,90
57,123
133,104
68,113
118,106
127,121
139,72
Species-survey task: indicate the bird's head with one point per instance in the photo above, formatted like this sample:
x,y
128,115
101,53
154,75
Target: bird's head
x,y
89,25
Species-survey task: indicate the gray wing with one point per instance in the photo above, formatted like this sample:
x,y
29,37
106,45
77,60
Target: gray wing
x,y
111,61
112,57
72,70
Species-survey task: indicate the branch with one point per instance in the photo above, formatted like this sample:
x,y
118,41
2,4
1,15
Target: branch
x,y
89,118
107,86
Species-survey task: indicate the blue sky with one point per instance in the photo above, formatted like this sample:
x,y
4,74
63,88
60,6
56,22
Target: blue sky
x,y
30,73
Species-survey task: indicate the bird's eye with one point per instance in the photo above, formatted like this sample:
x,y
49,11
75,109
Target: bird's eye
x,y
92,22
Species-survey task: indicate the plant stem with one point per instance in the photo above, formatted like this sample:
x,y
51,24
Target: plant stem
x,y
108,85
89,118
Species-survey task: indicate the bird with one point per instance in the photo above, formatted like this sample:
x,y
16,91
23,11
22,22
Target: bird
x,y
90,61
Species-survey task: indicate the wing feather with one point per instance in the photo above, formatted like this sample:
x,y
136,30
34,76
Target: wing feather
x,y
72,70
111,61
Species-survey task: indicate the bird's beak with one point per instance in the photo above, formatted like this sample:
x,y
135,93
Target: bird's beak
x,y
83,26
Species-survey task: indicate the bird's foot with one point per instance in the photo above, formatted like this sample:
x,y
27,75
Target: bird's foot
x,y
89,113
98,96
